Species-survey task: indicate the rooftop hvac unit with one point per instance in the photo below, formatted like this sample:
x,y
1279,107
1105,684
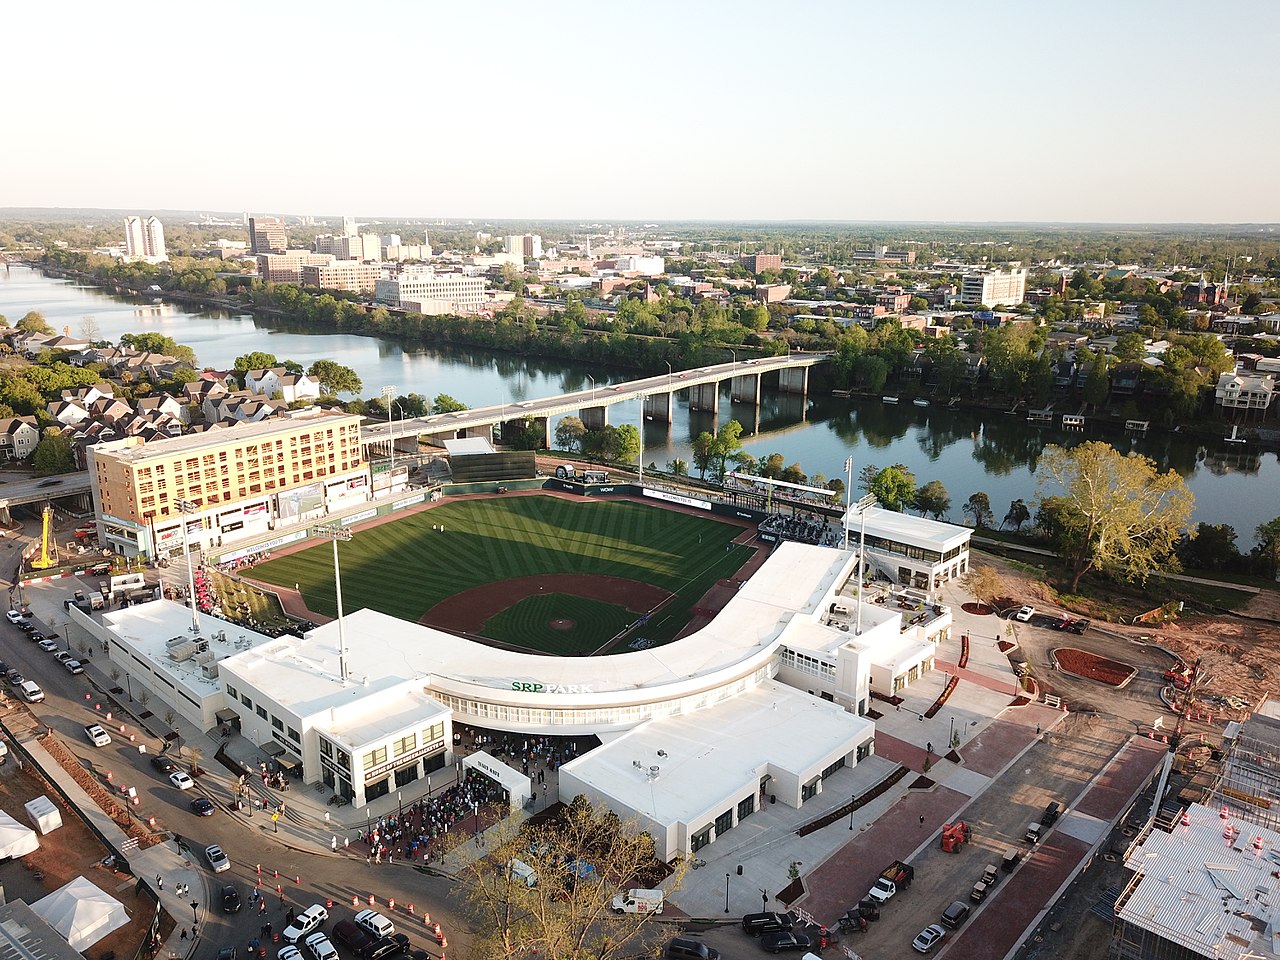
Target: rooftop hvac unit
x,y
654,772
209,670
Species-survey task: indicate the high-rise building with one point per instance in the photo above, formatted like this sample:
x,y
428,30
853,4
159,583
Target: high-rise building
x,y
363,246
994,287
527,245
761,262
267,235
287,267
144,239
428,292
349,226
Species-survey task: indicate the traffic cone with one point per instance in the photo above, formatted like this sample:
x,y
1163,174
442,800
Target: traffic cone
x,y
371,900
355,901
391,904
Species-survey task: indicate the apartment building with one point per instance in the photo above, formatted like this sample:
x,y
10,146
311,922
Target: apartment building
x,y
350,275
144,239
287,267
761,262
267,235
364,246
528,246
240,480
432,293
994,287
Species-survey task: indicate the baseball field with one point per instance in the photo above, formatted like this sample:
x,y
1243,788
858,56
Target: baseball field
x,y
546,573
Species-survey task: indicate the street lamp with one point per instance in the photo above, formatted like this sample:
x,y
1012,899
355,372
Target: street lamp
x,y
194,915
335,532
726,893
862,506
852,801
951,737
387,394
593,387
670,372
129,687
186,508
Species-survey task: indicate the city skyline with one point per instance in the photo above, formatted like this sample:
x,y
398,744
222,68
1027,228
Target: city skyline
x,y
987,113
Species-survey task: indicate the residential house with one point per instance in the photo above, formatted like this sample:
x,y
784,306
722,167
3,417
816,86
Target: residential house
x,y
87,395
1125,378
165,404
1244,391
974,365
241,405
68,412
1064,373
291,387
201,390
72,345
108,409
18,437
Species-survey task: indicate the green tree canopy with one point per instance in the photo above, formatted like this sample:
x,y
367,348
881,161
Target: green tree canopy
x,y
53,455
1266,555
703,453
932,498
978,509
159,343
1130,346
33,321
895,487
444,403
569,433
256,360
728,444
1017,515
1121,515
334,377
627,443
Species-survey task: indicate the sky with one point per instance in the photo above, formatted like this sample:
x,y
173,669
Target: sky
x,y
934,110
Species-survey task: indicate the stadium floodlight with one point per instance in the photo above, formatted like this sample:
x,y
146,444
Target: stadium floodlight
x,y
336,532
387,394
862,506
186,507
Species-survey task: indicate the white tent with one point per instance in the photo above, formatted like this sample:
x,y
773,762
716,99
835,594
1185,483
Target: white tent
x,y
519,786
44,814
81,912
15,839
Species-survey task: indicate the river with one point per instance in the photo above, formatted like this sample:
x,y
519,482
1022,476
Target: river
x,y
968,451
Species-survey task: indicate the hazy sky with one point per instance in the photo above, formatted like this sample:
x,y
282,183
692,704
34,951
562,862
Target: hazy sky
x,y
1117,110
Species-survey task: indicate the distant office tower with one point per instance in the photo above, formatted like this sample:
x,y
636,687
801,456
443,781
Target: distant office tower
x,y
526,245
144,239
994,287
266,235
761,262
390,239
349,226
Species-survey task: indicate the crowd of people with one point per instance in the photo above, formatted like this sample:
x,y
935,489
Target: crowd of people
x,y
417,832
801,528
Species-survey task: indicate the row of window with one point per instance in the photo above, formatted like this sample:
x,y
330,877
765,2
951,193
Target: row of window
x,y
807,664
406,744
261,711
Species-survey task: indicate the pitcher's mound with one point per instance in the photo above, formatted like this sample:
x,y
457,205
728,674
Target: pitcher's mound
x,y
562,624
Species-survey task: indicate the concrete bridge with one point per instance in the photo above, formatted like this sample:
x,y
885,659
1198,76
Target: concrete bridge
x,y
71,489
592,405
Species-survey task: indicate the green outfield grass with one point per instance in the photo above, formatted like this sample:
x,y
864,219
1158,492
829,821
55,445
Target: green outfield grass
x,y
404,568
527,623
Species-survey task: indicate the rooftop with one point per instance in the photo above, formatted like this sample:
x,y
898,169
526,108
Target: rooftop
x,y
772,724
241,432
904,528
26,936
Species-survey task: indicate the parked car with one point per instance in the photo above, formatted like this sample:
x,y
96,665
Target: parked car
x,y
73,666
219,862
305,922
375,923
62,656
202,806
352,937
928,938
1026,613
14,678
13,616
230,899
163,764
48,646
318,946
227,953
755,924
289,953
97,735
955,914
785,940
386,947
180,780
31,691
684,948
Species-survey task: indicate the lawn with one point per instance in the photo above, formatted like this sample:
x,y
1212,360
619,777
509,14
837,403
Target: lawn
x,y
404,567
529,623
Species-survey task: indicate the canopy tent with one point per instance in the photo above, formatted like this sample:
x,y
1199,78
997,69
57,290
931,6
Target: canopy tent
x,y
82,913
519,786
44,814
15,839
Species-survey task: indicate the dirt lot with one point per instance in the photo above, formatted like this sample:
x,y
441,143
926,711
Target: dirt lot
x,y
66,853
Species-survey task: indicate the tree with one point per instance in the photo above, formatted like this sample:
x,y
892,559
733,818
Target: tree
x,y
256,360
1122,515
626,443
569,434
1266,555
159,343
728,443
702,453
678,467
1018,515
89,328
443,403
53,454
581,860
33,321
334,377
984,583
932,498
1130,346
1211,546
894,487
978,509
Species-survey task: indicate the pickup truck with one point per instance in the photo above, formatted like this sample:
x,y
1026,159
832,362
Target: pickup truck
x,y
897,876
97,735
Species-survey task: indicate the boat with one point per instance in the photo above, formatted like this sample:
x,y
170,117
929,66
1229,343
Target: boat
x,y
920,402
889,399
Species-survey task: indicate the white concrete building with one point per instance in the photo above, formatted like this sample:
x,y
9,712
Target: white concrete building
x,y
912,551
994,287
1245,391
144,239
645,266
426,291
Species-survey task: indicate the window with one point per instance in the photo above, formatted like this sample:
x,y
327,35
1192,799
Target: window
x,y
326,748
724,823
809,791
245,700
277,723
433,733
262,713
404,745
375,757
293,735
700,839
746,807
231,692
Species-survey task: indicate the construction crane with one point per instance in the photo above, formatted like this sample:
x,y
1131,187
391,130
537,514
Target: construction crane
x,y
48,549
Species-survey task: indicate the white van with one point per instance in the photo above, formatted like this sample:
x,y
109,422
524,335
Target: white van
x,y
31,691
521,872
639,901
375,923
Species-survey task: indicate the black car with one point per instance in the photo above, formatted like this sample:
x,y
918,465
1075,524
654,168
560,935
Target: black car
x,y
230,899
163,764
354,938
955,914
14,678
51,482
387,947
785,940
684,948
202,806
754,924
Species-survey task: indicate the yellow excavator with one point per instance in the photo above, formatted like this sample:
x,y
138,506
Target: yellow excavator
x,y
48,549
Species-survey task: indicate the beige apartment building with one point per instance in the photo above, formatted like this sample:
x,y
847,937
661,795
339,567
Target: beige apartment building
x,y
242,481
350,275
429,292
287,267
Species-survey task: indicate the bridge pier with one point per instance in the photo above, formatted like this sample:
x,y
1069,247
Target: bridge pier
x,y
745,388
705,396
485,431
657,406
794,380
594,418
